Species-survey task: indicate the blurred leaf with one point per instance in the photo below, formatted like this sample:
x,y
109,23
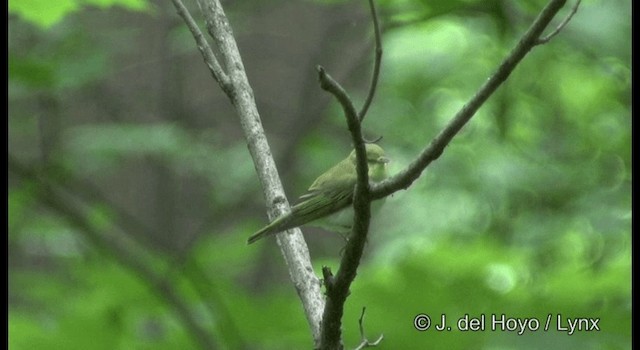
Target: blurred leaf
x,y
35,73
45,14
42,12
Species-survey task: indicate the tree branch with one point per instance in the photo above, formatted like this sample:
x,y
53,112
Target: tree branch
x,y
562,24
202,44
338,286
292,245
531,38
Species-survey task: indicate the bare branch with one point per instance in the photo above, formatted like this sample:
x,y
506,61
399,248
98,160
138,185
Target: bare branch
x,y
208,55
560,26
405,178
376,63
292,244
338,290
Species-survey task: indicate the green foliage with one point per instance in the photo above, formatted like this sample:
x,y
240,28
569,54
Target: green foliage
x,y
99,148
483,278
98,306
527,213
45,14
69,60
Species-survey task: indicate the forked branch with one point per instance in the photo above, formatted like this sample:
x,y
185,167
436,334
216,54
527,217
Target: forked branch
x,y
338,291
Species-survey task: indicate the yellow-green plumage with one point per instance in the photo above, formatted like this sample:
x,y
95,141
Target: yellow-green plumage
x,y
330,193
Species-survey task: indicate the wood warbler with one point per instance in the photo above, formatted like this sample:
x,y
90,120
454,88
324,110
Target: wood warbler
x,y
327,203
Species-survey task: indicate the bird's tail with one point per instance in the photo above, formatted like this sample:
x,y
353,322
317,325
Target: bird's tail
x,y
280,224
264,232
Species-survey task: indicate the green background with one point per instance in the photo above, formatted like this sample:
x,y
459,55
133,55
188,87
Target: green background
x,y
131,191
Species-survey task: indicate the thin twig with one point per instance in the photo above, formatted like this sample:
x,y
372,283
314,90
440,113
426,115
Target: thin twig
x,y
207,54
364,343
562,24
376,63
361,322
406,177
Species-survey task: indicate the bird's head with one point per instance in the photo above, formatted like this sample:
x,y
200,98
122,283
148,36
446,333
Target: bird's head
x,y
376,161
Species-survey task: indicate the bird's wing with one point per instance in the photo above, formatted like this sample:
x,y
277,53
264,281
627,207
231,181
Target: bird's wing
x,y
340,176
329,193
334,197
320,204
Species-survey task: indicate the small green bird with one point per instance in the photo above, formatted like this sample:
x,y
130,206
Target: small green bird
x,y
327,203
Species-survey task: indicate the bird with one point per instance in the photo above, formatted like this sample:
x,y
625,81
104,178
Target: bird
x,y
327,202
